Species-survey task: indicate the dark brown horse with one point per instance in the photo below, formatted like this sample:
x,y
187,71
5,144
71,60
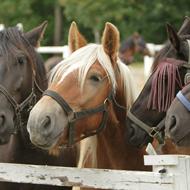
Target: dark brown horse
x,y
145,120
178,118
22,78
131,46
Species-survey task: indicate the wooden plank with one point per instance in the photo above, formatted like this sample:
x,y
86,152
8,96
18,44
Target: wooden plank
x,y
156,160
94,178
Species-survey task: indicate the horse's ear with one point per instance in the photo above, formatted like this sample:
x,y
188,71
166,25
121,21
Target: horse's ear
x,y
185,27
35,35
75,39
173,37
110,41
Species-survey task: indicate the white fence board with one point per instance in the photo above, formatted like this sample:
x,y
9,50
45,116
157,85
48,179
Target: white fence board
x,y
175,177
95,178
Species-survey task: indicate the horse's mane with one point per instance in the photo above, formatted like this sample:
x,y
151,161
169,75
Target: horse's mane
x,y
11,39
83,59
163,53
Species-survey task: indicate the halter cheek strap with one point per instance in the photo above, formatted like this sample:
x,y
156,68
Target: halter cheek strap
x,y
183,100
187,75
153,131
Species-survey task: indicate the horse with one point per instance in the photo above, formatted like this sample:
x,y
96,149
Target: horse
x,y
22,81
86,103
145,120
132,45
177,118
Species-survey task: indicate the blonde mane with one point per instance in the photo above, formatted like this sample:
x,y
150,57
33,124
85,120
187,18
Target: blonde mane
x,y
84,58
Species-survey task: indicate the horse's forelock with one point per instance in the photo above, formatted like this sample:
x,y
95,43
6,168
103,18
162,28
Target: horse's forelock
x,y
82,60
163,85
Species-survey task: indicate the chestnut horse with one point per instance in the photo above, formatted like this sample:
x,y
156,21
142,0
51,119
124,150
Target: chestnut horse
x,y
178,118
88,96
22,79
145,119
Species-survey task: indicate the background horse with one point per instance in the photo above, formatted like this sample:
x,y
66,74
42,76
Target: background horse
x,y
178,118
146,117
22,78
51,63
88,95
132,45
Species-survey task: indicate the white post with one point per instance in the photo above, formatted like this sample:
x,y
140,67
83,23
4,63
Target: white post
x,y
2,27
148,61
178,165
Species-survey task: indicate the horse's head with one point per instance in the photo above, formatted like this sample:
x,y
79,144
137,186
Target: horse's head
x,y
18,60
134,44
177,119
79,98
145,119
140,44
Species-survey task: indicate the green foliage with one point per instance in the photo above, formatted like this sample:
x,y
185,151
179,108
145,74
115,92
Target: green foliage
x,y
147,17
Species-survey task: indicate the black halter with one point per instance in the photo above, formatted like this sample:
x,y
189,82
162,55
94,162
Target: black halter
x,y
74,116
158,130
28,103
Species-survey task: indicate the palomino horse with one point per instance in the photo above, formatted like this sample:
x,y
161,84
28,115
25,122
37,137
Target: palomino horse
x,y
88,96
132,45
145,119
22,79
178,118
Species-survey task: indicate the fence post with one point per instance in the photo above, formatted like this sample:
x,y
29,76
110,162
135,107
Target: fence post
x,y
178,165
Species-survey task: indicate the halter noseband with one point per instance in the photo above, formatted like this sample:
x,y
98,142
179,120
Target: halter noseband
x,y
74,116
183,100
19,108
157,131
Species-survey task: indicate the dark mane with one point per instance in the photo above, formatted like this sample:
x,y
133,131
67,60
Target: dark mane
x,y
164,51
13,39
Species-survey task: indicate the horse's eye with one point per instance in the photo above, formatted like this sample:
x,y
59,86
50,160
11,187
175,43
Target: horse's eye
x,y
95,78
21,60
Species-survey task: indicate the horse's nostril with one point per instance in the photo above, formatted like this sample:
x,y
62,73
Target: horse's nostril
x,y
2,120
172,122
46,122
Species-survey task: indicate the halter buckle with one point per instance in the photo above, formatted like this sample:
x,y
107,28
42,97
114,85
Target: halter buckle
x,y
153,132
106,102
187,78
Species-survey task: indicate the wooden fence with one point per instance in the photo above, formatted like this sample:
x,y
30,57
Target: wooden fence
x,y
170,172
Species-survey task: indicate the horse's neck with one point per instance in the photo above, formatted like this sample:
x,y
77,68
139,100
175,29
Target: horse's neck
x,y
108,150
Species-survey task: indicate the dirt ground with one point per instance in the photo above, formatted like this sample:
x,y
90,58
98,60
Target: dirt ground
x,y
137,70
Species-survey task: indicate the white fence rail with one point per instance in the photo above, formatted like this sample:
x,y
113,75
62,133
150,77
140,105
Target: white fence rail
x,y
170,172
64,50
148,61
